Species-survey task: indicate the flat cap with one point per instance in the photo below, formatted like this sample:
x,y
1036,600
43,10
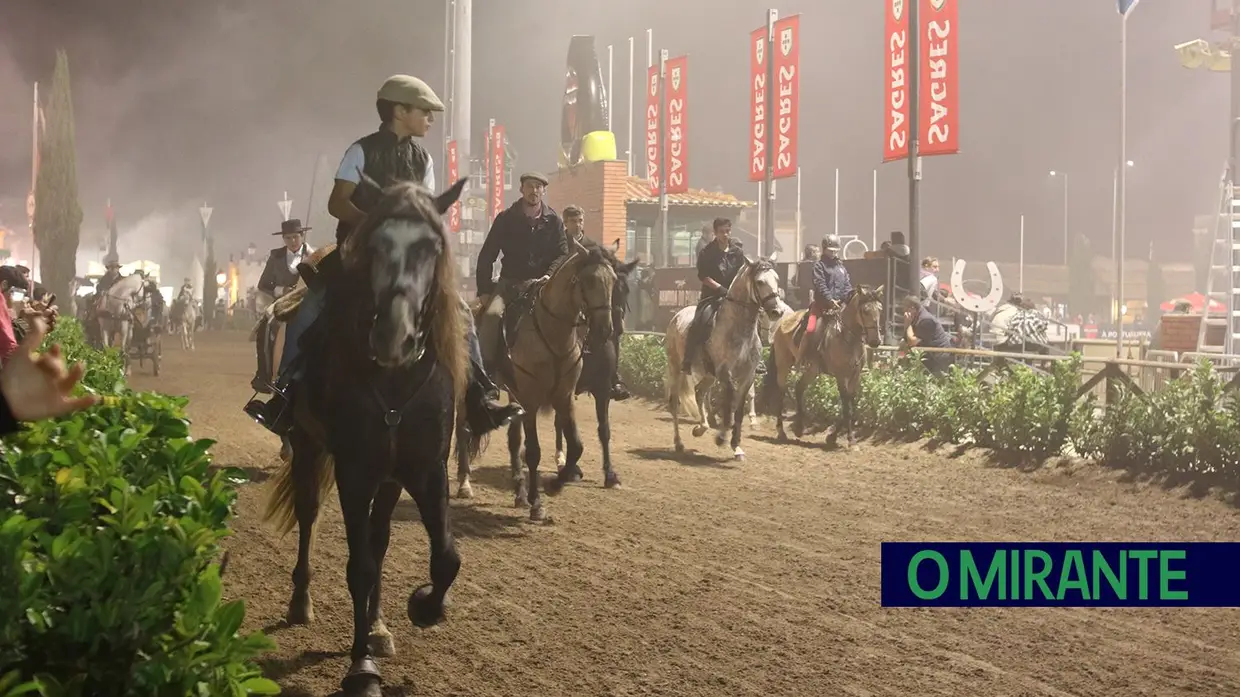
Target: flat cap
x,y
406,89
536,176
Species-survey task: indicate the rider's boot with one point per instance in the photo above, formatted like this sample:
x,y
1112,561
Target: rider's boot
x,y
483,409
275,414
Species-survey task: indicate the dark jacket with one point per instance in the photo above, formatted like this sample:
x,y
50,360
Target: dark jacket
x,y
106,282
831,281
389,160
719,265
531,246
276,272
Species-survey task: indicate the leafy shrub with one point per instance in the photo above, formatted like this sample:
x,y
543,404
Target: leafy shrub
x,y
1028,414
1188,427
959,407
110,522
643,364
897,402
105,371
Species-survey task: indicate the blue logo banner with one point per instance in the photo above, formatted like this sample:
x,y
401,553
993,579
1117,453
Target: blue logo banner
x,y
1060,574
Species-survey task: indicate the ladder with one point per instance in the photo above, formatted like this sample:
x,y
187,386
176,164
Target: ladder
x,y
1223,280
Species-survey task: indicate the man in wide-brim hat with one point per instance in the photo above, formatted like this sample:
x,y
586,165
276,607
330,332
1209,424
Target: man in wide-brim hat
x,y
280,274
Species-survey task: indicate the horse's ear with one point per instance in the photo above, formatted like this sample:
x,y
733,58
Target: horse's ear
x,y
879,290
445,200
626,269
615,246
773,258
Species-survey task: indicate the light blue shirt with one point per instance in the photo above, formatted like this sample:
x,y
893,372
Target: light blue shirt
x,y
355,160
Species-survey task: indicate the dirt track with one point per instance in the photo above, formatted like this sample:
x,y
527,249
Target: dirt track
x,y
702,577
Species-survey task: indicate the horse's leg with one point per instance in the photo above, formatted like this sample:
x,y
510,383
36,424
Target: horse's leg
x,y
380,639
705,399
426,603
519,484
673,402
727,393
356,496
738,418
306,507
566,431
753,408
706,405
533,454
602,410
848,397
464,489
798,416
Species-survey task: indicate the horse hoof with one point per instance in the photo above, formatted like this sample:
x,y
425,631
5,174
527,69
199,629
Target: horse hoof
x,y
739,455
363,679
698,431
720,440
611,481
553,486
465,491
380,642
680,448
753,422
300,613
571,474
537,513
519,501
424,609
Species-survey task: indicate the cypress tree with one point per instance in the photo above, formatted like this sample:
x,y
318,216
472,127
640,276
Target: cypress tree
x,y
57,213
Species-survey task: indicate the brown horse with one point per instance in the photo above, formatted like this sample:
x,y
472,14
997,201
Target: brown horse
x,y
545,362
839,352
384,379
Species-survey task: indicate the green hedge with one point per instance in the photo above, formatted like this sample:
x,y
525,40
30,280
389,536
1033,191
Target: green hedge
x,y
110,528
1188,427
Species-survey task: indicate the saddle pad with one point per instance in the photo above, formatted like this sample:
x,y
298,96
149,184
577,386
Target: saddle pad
x,y
286,305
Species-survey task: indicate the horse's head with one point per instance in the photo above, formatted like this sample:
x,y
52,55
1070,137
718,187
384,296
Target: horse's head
x,y
592,280
621,289
398,258
863,314
757,284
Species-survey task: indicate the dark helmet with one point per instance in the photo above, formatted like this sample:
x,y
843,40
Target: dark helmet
x,y
831,242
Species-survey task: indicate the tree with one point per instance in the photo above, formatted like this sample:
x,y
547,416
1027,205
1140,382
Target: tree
x,y
57,212
210,289
1081,296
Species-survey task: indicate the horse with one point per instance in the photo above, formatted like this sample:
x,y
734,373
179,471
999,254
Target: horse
x,y
730,355
386,369
840,353
182,318
115,313
766,328
544,363
597,372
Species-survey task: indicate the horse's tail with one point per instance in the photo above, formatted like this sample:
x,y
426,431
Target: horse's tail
x,y
681,397
768,400
282,504
472,443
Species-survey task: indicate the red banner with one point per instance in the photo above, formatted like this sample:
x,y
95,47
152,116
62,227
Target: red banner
x,y
757,104
652,129
454,213
497,170
677,119
896,67
787,57
939,115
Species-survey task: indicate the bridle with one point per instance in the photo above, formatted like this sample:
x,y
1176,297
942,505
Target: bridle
x,y
753,301
857,332
581,318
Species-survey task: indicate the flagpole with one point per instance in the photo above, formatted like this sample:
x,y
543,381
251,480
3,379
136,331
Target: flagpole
x,y
629,152
1123,179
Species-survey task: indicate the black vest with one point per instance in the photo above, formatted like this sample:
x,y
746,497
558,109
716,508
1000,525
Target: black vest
x,y
388,161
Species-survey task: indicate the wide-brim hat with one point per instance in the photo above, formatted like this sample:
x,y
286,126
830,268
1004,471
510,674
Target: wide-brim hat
x,y
536,176
290,227
407,89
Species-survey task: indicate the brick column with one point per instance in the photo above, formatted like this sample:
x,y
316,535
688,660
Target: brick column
x,y
599,188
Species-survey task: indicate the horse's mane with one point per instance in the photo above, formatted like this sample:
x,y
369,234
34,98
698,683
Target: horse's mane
x,y
412,202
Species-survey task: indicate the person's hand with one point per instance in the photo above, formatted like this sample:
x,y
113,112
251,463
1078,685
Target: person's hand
x,y
38,386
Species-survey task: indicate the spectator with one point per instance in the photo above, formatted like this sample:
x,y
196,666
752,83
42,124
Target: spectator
x,y
929,277
1001,321
923,330
11,279
35,388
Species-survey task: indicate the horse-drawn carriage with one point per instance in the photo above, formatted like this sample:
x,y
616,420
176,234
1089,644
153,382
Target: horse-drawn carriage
x,y
146,340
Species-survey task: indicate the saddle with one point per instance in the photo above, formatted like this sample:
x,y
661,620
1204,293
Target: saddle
x,y
520,306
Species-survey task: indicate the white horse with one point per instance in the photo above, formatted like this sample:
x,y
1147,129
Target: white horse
x,y
182,319
766,327
115,313
730,354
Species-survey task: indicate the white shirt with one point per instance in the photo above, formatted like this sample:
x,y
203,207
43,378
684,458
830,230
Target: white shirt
x,y
354,162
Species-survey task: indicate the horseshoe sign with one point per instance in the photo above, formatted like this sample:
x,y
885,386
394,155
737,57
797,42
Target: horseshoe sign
x,y
974,303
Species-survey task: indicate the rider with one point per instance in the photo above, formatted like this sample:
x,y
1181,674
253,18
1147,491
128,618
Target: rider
x,y
831,284
280,273
187,289
109,277
157,303
717,265
532,238
574,230
406,107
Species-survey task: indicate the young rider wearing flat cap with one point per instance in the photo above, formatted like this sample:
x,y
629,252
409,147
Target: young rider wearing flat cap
x,y
407,108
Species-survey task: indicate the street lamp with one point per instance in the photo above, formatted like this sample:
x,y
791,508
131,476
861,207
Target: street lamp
x,y
1064,175
221,278
1115,250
